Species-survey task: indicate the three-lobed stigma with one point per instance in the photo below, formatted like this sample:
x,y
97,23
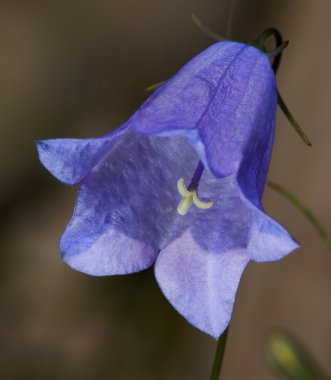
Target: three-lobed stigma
x,y
189,197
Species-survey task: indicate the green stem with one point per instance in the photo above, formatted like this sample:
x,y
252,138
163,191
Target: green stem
x,y
326,237
217,366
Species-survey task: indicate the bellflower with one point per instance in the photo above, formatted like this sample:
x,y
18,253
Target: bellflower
x,y
180,185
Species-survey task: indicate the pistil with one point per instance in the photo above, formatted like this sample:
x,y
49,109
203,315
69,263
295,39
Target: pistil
x,y
196,176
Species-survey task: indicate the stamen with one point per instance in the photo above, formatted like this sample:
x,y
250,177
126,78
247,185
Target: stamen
x,y
278,50
189,194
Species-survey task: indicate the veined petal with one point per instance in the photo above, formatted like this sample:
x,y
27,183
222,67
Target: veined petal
x,y
239,123
181,102
224,100
201,285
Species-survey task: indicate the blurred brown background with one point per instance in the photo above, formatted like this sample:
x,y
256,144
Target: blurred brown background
x,y
78,68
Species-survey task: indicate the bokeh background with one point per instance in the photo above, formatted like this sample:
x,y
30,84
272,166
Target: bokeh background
x,y
78,68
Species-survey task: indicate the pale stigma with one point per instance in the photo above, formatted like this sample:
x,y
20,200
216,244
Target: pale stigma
x,y
189,197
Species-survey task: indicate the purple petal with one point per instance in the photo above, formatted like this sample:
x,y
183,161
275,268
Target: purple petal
x,y
126,207
269,241
201,285
109,253
70,160
199,271
224,99
181,102
238,127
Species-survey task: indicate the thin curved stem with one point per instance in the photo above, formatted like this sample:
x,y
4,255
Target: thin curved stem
x,y
207,31
325,236
219,355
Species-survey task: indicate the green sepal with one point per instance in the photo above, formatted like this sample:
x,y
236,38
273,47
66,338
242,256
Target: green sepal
x,y
154,86
292,120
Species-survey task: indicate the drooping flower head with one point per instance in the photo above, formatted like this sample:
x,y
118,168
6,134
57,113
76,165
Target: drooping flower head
x,y
180,185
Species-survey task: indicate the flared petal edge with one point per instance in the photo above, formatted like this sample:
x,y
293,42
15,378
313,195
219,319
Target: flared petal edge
x,y
71,160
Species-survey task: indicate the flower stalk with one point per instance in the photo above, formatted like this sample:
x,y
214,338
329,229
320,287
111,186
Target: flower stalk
x,y
219,356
